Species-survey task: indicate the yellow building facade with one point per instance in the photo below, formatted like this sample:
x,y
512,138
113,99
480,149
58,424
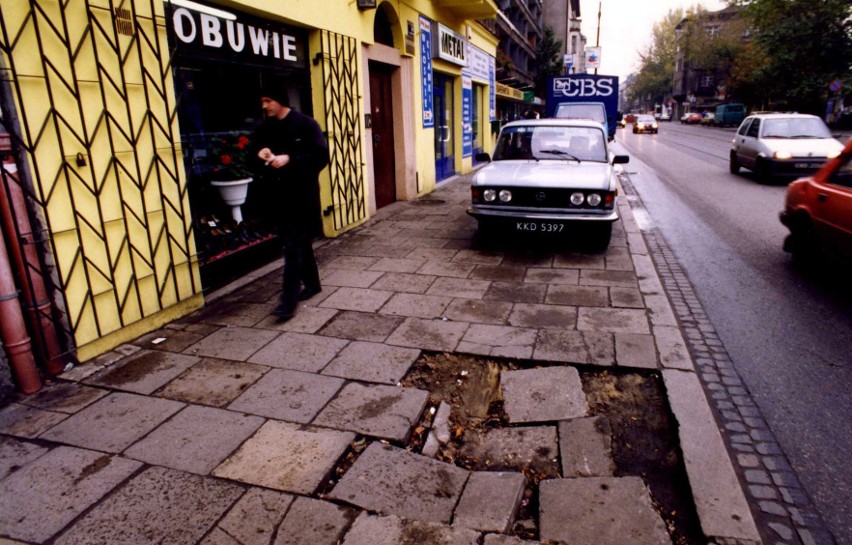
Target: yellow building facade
x,y
118,115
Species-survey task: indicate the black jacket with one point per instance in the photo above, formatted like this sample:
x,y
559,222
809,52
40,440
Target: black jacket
x,y
293,190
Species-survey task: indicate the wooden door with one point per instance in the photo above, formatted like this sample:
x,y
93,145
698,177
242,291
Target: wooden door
x,y
381,111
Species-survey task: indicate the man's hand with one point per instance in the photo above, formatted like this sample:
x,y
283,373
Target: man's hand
x,y
275,161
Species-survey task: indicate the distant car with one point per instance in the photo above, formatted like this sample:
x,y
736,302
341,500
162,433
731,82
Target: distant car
x,y
630,118
665,117
708,118
692,118
818,211
645,123
547,176
775,145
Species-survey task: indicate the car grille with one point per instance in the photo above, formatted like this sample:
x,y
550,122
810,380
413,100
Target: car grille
x,y
547,198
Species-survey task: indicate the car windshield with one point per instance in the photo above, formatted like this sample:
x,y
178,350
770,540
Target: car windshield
x,y
581,111
646,118
795,127
537,142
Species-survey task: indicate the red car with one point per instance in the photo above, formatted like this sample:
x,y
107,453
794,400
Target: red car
x,y
818,211
692,118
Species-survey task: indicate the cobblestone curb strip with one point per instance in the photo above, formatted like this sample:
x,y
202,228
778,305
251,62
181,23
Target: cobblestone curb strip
x,y
783,512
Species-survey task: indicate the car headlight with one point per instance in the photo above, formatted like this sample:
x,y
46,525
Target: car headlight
x,y
489,195
593,199
782,155
640,125
505,195
577,198
832,154
654,126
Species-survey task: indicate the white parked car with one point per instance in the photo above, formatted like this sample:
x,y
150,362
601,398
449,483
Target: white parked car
x,y
777,144
548,177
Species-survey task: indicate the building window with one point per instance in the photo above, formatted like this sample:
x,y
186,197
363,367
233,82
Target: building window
x,y
713,31
706,81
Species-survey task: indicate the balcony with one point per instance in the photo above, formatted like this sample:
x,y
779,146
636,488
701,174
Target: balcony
x,y
469,9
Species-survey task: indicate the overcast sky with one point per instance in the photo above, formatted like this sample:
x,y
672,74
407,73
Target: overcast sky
x,y
626,28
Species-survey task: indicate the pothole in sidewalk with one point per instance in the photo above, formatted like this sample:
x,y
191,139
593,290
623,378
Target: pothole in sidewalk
x,y
644,433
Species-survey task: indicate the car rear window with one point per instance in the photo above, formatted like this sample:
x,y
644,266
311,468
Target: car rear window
x,y
594,112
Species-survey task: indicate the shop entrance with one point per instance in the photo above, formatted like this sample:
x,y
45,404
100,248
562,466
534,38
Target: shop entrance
x,y
444,142
381,112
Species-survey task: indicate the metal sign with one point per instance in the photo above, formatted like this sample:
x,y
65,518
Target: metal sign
x,y
449,45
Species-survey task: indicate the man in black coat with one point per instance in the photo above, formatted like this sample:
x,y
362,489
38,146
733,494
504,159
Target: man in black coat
x,y
293,151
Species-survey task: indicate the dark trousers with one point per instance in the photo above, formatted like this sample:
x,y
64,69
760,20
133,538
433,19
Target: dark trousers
x,y
300,267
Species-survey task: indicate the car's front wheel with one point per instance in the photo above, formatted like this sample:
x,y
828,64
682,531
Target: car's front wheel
x,y
734,165
598,237
761,171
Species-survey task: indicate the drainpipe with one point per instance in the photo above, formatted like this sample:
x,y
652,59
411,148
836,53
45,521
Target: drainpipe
x,y
13,331
25,261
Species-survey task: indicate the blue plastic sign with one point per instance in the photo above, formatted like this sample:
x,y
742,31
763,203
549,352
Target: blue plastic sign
x,y
426,72
467,116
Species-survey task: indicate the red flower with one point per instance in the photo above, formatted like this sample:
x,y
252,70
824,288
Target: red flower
x,y
226,159
242,142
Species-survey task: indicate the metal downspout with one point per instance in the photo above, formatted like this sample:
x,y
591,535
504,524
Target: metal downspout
x,y
13,330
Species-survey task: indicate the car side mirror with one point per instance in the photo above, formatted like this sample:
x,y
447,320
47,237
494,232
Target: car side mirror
x,y
620,159
482,157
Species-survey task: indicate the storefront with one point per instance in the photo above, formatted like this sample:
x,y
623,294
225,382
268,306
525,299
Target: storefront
x,y
510,103
222,60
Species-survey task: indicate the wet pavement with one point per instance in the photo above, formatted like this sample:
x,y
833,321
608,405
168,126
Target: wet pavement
x,y
226,427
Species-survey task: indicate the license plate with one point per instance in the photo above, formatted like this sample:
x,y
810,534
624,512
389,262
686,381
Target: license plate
x,y
802,165
539,227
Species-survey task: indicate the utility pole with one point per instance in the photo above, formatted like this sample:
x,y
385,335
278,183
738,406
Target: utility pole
x,y
598,38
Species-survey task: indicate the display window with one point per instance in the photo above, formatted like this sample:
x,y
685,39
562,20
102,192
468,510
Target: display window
x,y
222,60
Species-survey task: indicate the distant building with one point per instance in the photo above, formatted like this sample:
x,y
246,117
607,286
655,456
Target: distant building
x,y
563,16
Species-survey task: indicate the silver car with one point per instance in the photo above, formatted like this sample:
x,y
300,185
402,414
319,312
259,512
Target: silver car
x,y
547,175
782,144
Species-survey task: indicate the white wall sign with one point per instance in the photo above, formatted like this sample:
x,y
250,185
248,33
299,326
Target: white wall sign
x,y
449,45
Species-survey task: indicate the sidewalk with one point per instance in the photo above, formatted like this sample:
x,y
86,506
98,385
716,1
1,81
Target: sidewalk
x,y
227,427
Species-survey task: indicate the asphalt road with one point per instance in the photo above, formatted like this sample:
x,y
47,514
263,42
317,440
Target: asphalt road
x,y
788,332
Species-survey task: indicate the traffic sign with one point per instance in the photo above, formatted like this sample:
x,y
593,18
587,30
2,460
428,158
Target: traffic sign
x,y
835,86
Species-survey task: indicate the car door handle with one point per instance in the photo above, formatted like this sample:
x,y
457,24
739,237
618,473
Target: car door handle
x,y
822,197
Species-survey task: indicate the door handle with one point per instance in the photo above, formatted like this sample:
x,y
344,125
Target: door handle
x,y
822,197
376,138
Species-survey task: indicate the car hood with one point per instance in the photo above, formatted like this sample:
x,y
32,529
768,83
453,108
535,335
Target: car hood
x,y
804,147
546,173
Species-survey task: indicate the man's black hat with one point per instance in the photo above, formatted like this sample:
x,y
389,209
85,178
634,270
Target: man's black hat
x,y
276,93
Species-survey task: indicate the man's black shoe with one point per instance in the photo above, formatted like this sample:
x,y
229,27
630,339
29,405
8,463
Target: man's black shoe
x,y
284,312
307,293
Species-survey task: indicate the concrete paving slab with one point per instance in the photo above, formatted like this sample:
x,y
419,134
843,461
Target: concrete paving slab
x,y
287,395
213,382
314,522
428,334
143,372
603,511
386,412
42,497
613,320
23,421
64,397
170,340
256,517
516,292
478,311
579,261
113,423
232,343
416,305
158,506
719,500
373,530
15,454
478,256
306,320
626,298
359,299
576,296
543,316
620,279
299,352
235,313
446,268
361,326
674,353
498,273
659,310
351,262
516,448
575,347
348,278
635,351
390,265
219,537
498,340
459,288
195,440
585,447
405,282
286,457
390,480
432,254
497,539
552,276
543,394
490,500
372,362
